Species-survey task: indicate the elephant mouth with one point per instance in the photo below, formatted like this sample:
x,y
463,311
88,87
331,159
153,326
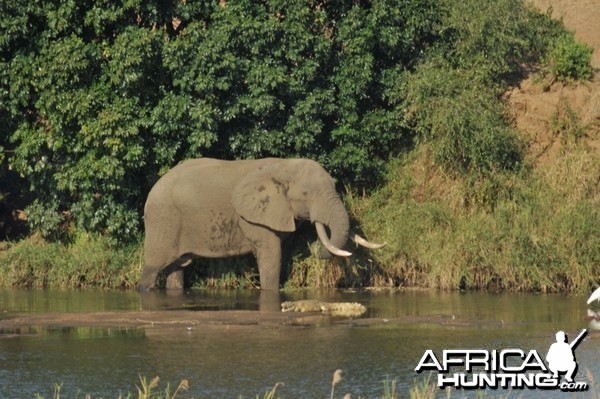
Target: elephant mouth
x,y
341,252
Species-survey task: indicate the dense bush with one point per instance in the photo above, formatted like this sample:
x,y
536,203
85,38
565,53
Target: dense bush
x,y
88,262
452,98
465,122
98,99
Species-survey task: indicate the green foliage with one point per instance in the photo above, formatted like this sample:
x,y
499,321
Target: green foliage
x,y
490,39
98,99
453,97
568,59
464,120
532,232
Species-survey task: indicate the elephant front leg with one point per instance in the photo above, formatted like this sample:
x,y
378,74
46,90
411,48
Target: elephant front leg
x,y
269,265
266,246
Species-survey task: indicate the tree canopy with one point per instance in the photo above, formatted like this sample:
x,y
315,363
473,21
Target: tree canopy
x,y
99,98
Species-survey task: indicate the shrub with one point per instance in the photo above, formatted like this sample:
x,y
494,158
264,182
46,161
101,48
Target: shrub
x,y
97,102
568,59
463,119
541,234
87,262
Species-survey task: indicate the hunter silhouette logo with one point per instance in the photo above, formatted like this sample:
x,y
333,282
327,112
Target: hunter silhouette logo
x,y
511,368
560,356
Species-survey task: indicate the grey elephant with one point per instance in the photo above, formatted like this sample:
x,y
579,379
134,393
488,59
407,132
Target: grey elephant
x,y
213,208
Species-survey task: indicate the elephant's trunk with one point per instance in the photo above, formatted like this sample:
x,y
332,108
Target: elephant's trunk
x,y
332,214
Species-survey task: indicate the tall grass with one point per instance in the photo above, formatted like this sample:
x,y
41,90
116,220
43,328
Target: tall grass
x,y
539,230
89,261
536,230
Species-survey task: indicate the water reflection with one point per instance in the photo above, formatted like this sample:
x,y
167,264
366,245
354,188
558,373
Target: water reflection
x,y
246,360
47,301
71,332
594,319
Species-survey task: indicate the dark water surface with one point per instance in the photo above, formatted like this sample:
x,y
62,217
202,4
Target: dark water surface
x,y
232,363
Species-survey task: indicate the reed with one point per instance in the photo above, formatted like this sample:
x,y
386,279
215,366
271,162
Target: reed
x,y
423,388
337,378
146,389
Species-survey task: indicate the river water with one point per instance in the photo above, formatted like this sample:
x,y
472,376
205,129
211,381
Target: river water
x,y
107,362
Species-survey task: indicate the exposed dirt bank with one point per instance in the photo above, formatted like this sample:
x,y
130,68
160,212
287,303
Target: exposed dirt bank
x,y
538,110
581,16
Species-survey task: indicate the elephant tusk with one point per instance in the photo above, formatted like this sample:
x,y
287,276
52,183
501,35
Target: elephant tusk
x,y
361,241
328,245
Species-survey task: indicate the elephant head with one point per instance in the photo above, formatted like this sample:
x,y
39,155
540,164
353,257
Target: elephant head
x,y
279,193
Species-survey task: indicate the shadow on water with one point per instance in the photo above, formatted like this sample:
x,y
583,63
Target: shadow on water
x,y
106,362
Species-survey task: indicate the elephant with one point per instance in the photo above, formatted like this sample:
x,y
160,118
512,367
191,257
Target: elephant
x,y
215,208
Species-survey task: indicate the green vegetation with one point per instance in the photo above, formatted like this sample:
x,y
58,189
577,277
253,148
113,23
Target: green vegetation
x,y
86,263
401,100
98,99
531,231
568,59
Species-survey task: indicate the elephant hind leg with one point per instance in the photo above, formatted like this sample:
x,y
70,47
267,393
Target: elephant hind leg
x,y
172,272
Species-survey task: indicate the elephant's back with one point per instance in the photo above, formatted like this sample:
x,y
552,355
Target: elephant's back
x,y
215,167
202,179
208,172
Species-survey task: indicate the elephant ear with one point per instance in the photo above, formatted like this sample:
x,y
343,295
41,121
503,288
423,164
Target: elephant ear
x,y
259,198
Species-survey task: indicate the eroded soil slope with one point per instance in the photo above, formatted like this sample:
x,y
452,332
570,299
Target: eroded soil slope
x,y
548,116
